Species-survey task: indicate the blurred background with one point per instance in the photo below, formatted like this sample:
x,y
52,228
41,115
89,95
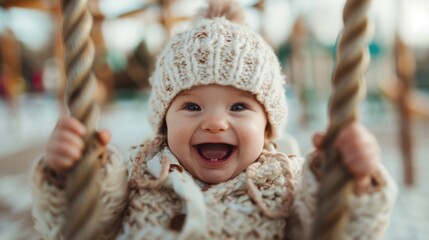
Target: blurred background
x,y
129,34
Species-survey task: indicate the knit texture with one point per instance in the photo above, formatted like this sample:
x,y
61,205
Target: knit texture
x,y
369,212
253,205
217,51
241,208
49,200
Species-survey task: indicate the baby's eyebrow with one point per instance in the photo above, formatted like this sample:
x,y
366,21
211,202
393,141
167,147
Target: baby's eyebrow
x,y
184,94
246,95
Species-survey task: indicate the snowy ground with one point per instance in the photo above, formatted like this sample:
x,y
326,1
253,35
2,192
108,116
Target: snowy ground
x,y
23,134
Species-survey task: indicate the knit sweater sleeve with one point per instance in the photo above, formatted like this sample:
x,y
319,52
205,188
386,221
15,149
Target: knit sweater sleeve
x,y
369,212
49,202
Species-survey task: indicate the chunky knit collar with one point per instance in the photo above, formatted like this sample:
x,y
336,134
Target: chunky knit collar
x,y
184,185
268,183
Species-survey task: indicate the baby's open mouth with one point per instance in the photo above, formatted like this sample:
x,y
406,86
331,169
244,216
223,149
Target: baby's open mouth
x,y
215,151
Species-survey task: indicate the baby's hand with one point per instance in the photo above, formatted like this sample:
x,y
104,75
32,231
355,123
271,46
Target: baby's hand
x,y
360,153
66,144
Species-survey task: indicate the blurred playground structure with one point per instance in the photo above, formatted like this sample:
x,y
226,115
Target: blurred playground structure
x,y
129,34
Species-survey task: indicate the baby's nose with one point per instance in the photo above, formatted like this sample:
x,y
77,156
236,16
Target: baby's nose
x,y
214,123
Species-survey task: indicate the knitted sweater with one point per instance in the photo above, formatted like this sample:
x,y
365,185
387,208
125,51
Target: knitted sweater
x,y
272,199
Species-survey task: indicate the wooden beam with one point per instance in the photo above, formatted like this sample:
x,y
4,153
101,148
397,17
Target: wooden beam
x,y
42,5
418,103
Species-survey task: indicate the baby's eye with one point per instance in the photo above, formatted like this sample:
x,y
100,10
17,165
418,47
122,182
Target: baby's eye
x,y
191,107
238,107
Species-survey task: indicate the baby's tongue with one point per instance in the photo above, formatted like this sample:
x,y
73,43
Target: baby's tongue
x,y
214,150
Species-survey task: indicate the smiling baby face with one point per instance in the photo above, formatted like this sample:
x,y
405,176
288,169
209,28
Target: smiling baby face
x,y
215,131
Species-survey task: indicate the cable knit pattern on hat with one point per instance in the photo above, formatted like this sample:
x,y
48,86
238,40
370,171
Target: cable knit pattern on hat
x,y
216,51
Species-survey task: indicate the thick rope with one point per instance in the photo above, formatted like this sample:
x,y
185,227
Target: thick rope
x,y
82,188
348,90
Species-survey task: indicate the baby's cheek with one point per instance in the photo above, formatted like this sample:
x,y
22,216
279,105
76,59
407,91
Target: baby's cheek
x,y
254,140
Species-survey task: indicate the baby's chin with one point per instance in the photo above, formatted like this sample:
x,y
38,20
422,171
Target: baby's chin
x,y
214,176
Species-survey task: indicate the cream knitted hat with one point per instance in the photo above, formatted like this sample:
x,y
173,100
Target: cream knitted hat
x,y
217,51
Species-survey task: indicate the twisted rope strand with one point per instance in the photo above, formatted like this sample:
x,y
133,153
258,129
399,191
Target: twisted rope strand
x,y
348,90
82,188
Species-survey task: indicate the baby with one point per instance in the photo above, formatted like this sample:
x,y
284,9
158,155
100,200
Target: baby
x,y
212,171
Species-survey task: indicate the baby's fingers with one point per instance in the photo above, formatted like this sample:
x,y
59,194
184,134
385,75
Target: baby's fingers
x,y
71,124
318,139
357,165
361,169
61,156
363,162
66,150
69,138
104,137
58,162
